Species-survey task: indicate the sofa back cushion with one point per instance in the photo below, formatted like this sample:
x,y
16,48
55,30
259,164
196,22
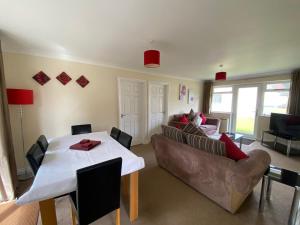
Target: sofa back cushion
x,y
191,115
206,144
192,128
197,120
173,133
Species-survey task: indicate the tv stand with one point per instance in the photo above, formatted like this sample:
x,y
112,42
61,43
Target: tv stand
x,y
289,139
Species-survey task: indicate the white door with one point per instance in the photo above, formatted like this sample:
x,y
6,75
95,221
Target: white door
x,y
158,107
131,95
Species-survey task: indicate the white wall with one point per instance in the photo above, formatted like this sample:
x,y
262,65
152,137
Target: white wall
x,y
57,107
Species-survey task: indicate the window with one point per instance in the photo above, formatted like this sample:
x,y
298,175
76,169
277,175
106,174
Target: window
x,y
221,99
276,97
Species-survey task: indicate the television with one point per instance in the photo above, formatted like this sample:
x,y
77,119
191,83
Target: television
x,y
285,124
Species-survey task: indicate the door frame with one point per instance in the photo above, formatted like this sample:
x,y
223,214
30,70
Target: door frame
x,y
166,84
144,100
234,107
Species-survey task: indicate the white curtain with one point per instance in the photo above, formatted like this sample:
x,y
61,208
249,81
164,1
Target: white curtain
x,y
8,178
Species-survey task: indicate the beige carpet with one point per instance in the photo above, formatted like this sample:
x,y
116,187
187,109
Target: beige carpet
x,y
12,214
165,200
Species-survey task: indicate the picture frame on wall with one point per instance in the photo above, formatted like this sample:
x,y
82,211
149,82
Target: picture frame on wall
x,y
191,96
182,92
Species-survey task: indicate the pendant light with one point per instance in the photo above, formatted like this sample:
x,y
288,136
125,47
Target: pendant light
x,y
221,75
151,58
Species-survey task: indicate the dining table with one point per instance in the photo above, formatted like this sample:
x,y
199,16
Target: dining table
x,y
57,173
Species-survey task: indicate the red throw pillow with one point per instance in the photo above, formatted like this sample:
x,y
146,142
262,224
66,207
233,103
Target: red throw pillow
x,y
233,151
184,120
203,119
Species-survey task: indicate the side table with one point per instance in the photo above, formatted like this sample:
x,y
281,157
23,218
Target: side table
x,y
286,177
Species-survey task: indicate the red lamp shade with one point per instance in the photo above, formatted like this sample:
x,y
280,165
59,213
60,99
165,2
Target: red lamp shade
x,y
151,58
19,96
221,76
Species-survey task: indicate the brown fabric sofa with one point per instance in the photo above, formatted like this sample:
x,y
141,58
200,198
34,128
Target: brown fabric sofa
x,y
211,126
225,181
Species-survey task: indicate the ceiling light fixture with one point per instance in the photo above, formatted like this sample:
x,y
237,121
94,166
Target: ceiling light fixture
x,y
151,58
220,75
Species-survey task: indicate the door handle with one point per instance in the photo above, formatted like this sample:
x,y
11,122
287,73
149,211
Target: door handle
x,y
122,115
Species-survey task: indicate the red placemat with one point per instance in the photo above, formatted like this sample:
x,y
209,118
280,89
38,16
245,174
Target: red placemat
x,y
85,145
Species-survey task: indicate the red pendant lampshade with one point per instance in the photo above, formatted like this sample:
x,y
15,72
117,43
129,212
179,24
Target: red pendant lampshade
x,y
19,96
151,58
221,76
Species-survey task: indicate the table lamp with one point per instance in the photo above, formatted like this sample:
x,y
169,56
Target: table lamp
x,y
21,97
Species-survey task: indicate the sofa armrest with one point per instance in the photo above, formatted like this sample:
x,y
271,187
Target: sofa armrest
x,y
213,121
247,172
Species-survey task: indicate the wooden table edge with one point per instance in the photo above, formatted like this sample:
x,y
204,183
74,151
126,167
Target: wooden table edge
x,y
48,212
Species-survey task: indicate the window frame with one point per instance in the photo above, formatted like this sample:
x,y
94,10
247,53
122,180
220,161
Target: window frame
x,y
223,92
264,90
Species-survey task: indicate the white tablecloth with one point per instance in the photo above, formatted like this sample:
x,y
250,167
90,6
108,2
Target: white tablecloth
x,y
57,174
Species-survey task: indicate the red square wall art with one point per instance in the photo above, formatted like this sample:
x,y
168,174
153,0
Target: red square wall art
x,y
41,78
82,81
64,78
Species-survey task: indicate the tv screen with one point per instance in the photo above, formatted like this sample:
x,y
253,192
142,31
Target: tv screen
x,y
285,124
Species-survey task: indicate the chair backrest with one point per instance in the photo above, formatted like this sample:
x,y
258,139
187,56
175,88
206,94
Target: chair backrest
x,y
43,143
98,190
125,140
81,129
115,133
35,157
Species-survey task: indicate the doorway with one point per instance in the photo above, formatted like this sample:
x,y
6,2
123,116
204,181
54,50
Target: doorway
x,y
245,110
132,108
158,107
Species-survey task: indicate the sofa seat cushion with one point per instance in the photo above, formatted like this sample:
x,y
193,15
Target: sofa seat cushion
x,y
206,144
173,133
191,128
209,129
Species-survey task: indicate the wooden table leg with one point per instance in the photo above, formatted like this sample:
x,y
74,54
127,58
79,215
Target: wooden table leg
x,y
48,214
125,187
134,196
118,217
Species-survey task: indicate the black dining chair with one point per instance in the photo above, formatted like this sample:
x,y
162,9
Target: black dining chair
x,y
98,192
115,133
125,140
35,157
43,143
81,129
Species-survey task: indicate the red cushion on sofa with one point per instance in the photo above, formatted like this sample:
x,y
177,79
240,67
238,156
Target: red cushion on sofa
x,y
233,151
203,119
184,119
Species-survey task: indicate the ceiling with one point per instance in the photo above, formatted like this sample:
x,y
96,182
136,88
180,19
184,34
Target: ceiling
x,y
250,38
